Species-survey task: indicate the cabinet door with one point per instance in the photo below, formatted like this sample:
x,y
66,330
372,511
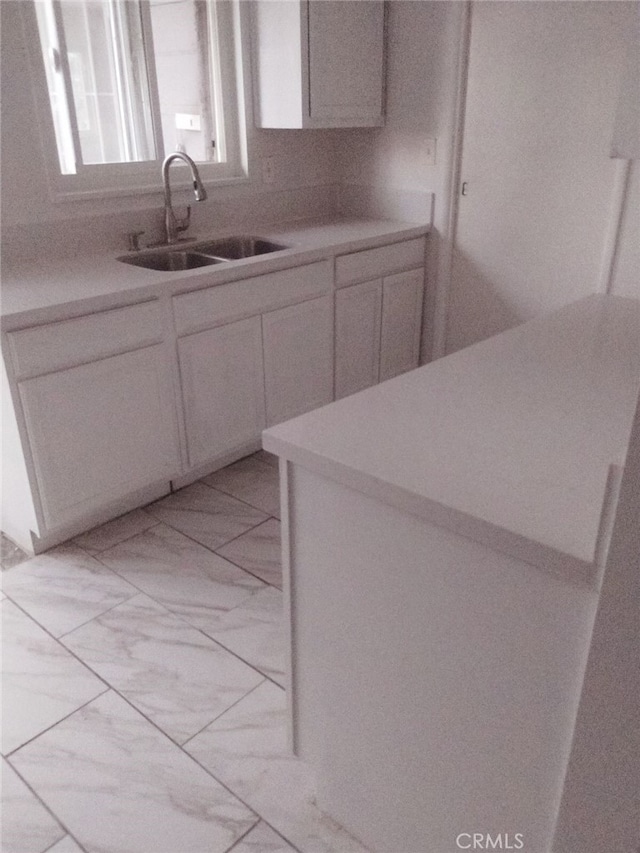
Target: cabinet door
x,y
401,323
100,431
298,358
357,337
346,52
223,388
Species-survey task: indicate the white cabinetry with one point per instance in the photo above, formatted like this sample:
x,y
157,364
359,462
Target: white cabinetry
x,y
99,431
98,426
242,342
378,321
319,63
358,311
401,323
106,411
298,358
222,389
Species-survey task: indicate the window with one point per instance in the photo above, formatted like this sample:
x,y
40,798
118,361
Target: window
x,y
129,81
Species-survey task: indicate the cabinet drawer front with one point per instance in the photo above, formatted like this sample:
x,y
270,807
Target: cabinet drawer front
x,y
214,306
55,346
100,431
374,263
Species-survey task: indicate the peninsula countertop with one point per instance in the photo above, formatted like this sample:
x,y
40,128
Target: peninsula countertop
x,y
508,442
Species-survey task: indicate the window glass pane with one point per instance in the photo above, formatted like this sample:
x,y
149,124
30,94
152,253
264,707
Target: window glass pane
x,y
185,63
105,49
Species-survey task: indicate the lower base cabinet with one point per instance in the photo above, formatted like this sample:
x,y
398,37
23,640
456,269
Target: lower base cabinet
x,y
222,389
378,325
99,431
298,358
358,313
401,323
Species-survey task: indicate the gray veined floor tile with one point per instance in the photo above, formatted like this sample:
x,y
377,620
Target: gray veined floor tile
x,y
67,845
265,456
262,839
64,588
252,480
27,827
41,681
258,551
187,578
254,631
246,748
10,554
179,678
206,515
115,531
118,784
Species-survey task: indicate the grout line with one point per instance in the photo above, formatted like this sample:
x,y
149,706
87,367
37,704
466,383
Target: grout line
x,y
44,805
222,713
99,615
108,687
231,495
155,521
248,571
62,719
243,836
240,535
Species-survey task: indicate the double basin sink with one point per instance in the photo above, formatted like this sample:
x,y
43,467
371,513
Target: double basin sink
x,y
176,258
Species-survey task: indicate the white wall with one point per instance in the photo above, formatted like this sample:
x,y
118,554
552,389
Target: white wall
x,y
541,101
579,82
423,47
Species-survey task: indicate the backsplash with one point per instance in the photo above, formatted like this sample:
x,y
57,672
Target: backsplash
x,y
243,210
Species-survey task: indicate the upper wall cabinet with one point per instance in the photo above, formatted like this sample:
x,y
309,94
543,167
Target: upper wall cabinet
x,y
318,63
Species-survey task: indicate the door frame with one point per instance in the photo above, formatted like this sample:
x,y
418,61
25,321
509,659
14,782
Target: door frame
x,y
453,168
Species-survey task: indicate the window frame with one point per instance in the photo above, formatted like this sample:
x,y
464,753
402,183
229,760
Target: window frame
x,y
111,180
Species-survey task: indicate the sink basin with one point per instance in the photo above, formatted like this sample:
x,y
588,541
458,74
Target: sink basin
x,y
235,248
202,254
170,260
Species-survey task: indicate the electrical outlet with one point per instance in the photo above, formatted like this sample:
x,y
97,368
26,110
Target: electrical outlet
x,y
268,170
430,152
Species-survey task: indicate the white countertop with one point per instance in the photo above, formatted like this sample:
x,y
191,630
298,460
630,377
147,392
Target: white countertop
x,y
508,442
50,289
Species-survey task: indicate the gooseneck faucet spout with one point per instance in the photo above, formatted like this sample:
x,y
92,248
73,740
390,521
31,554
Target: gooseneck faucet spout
x,y
172,225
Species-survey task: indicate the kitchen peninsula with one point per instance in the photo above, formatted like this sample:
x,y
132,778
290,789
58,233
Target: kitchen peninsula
x,y
444,536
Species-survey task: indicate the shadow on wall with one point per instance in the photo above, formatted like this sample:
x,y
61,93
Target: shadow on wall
x,y
476,310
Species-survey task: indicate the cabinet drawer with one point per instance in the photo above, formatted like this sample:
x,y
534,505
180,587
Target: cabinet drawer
x,y
55,346
375,263
203,309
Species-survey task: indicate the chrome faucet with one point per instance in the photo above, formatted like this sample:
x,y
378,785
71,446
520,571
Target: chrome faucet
x,y
171,223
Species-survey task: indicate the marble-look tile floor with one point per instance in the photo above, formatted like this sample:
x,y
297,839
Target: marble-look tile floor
x,y
143,708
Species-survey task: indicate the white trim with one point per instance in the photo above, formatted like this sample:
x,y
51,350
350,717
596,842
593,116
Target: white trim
x,y
120,180
452,182
612,233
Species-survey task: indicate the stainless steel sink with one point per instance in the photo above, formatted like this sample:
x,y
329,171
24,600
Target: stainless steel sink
x,y
171,260
201,254
235,248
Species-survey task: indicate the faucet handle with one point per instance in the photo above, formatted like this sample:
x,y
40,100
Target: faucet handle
x,y
133,239
183,224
